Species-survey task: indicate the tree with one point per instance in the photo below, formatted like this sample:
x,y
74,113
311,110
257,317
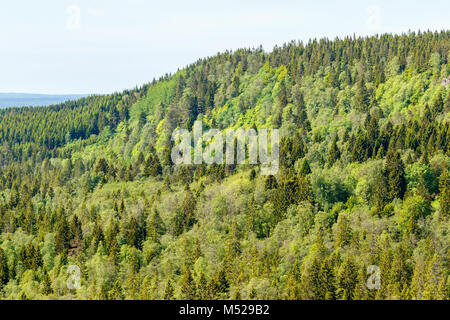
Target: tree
x,y
344,231
76,232
185,214
23,296
316,279
414,209
380,192
155,227
233,246
220,282
362,97
270,182
4,271
132,233
187,285
347,279
284,195
62,236
46,285
152,166
435,280
328,285
304,191
253,295
169,290
395,173
305,168
116,292
202,287
101,166
333,153
444,188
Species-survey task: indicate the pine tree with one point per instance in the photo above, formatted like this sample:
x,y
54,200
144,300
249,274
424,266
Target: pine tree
x,y
23,296
380,192
62,236
236,294
362,96
253,295
46,285
270,183
304,190
187,285
418,280
328,285
221,281
435,280
344,231
395,172
4,270
347,279
132,284
185,214
169,290
333,153
444,198
101,166
202,289
315,279
152,166
233,245
116,292
155,227
146,289
305,168
132,233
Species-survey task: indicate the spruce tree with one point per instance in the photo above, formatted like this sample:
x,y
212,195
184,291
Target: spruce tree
x,y
116,293
362,96
305,168
62,236
328,283
444,198
169,290
395,173
347,279
333,153
187,285
155,227
46,285
4,270
201,289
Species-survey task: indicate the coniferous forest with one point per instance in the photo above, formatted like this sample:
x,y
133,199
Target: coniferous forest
x,y
363,181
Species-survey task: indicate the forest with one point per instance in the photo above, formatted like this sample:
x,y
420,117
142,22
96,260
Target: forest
x,y
363,181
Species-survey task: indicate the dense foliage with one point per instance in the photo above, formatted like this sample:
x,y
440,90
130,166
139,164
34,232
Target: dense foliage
x,y
364,160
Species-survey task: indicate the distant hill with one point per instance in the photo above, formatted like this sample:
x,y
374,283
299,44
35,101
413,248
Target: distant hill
x,y
30,99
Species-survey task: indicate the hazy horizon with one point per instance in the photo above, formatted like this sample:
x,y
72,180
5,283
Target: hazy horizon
x,y
16,99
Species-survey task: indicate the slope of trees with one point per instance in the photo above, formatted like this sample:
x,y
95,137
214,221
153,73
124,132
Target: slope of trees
x,y
363,181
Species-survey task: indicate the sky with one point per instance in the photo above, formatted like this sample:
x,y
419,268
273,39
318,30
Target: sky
x,y
102,46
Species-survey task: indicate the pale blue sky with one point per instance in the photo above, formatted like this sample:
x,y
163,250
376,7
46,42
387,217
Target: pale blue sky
x,y
114,45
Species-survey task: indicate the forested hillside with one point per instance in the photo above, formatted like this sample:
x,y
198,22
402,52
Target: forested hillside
x,y
363,180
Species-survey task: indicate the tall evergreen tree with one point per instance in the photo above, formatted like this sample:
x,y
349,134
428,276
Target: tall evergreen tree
x,y
444,199
395,172
334,153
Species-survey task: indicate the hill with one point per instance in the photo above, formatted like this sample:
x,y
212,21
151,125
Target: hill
x,y
363,181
